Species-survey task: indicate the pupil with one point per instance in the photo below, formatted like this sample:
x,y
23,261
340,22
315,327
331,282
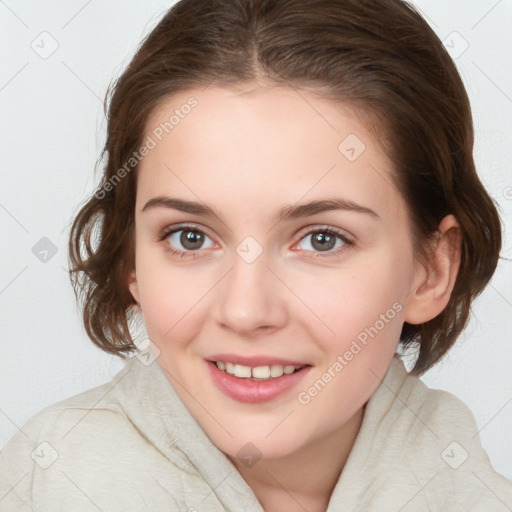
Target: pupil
x,y
323,241
191,239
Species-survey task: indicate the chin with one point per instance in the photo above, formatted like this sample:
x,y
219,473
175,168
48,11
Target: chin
x,y
254,445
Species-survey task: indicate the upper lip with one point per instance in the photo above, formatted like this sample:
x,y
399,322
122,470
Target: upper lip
x,y
254,361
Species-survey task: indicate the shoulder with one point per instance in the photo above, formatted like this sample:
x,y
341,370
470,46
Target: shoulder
x,y
91,451
440,447
73,450
37,444
405,397
59,419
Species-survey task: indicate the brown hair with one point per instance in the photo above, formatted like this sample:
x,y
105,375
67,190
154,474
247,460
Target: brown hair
x,y
378,55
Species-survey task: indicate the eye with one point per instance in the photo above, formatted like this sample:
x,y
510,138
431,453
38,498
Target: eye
x,y
324,240
186,239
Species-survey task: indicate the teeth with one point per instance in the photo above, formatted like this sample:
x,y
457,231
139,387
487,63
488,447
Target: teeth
x,y
242,371
276,370
258,372
261,372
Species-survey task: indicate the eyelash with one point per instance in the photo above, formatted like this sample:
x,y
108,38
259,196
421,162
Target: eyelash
x,y
167,232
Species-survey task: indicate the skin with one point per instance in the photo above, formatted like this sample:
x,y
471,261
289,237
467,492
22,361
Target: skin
x,y
247,153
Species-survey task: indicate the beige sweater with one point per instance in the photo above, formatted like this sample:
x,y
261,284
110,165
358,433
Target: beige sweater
x,y
131,445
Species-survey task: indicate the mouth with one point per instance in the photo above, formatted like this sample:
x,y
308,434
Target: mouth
x,y
261,373
255,384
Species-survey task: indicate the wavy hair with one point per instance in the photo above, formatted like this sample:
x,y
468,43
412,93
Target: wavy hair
x,y
378,55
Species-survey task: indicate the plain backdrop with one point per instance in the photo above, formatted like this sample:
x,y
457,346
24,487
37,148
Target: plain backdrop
x,y
57,60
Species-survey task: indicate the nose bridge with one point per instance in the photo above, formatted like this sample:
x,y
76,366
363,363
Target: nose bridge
x,y
250,295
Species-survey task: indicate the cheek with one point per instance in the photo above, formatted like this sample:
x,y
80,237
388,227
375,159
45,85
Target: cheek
x,y
362,306
344,302
170,298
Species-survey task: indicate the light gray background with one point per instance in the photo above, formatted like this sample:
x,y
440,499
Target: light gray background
x,y
52,129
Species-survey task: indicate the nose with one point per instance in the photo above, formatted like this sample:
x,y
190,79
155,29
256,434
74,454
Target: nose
x,y
251,299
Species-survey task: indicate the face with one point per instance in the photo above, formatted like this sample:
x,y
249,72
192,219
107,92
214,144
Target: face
x,y
231,265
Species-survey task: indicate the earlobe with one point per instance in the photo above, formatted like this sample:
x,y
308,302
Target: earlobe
x,y
434,282
133,286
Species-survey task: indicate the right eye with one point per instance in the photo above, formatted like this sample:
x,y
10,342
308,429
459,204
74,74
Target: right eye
x,y
185,240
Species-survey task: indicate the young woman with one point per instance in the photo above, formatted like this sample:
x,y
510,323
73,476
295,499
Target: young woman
x,y
289,197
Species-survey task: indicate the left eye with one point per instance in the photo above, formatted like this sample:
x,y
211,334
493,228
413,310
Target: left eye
x,y
323,240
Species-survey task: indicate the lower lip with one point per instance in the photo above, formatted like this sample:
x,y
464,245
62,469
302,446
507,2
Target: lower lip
x,y
251,391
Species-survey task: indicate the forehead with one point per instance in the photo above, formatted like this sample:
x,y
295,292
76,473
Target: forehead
x,y
259,145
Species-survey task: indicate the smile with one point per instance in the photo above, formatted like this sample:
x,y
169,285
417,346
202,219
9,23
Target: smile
x,y
255,384
257,373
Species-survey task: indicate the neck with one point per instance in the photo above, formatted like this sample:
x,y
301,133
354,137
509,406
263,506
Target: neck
x,y
305,479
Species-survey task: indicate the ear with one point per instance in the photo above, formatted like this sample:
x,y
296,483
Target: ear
x,y
133,286
433,282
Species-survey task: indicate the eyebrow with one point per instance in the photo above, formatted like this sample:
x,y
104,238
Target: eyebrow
x,y
285,213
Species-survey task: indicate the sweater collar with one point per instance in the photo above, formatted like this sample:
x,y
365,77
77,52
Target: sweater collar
x,y
153,406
